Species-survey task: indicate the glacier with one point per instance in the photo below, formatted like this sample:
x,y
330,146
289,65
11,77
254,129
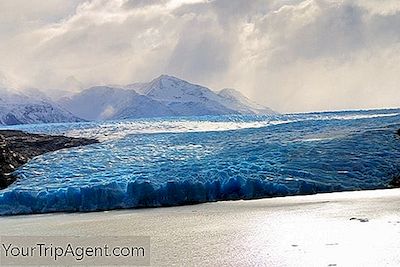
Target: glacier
x,y
175,161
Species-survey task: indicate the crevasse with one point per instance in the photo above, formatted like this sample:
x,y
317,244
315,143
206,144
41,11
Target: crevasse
x,y
176,161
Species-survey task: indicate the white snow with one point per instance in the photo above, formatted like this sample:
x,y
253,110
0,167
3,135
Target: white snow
x,y
34,107
163,96
233,99
104,102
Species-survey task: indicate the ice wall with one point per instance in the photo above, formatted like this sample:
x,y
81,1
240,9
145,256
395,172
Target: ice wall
x,y
164,169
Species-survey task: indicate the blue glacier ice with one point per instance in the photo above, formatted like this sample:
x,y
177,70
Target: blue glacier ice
x,y
176,161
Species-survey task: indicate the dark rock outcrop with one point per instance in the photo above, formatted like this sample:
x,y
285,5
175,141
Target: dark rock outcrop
x,y
395,182
17,148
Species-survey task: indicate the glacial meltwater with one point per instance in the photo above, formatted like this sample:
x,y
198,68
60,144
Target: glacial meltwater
x,y
176,161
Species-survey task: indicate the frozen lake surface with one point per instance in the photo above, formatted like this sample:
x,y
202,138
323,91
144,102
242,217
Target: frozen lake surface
x,y
316,230
175,161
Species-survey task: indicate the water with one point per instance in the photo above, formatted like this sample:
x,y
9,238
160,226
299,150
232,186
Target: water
x,y
292,231
174,161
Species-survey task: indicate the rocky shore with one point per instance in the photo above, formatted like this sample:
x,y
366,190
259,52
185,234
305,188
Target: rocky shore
x,y
17,148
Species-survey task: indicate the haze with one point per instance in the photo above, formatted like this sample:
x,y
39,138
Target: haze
x,y
290,55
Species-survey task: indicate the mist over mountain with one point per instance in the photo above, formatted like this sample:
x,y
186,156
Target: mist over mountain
x,y
105,102
31,107
163,96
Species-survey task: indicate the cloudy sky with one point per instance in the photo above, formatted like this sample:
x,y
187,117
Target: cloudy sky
x,y
291,55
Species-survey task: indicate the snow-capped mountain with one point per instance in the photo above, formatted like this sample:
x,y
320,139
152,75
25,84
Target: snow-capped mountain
x,y
104,102
236,101
163,96
184,98
18,108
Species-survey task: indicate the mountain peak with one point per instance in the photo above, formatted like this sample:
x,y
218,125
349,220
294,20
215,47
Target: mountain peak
x,y
165,95
168,88
167,77
19,108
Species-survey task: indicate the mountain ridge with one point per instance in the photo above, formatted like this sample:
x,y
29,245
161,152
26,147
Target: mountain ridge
x,y
163,96
19,108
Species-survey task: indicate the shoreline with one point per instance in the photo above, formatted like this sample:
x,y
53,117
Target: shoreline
x,y
194,204
356,228
18,147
